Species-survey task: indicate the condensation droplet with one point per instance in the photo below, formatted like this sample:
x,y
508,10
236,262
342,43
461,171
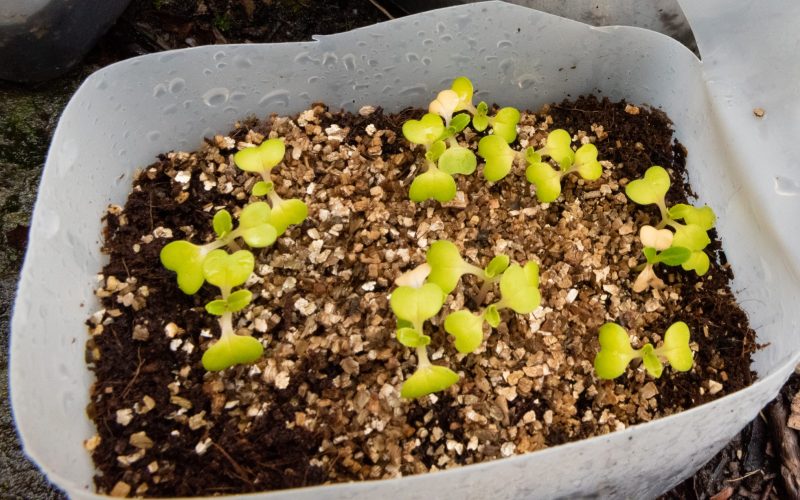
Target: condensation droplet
x,y
349,61
446,38
221,65
176,85
440,27
313,79
219,56
67,157
787,187
426,61
237,96
278,97
207,71
216,97
329,59
412,57
159,90
427,42
507,67
415,90
526,81
101,85
242,62
153,135
504,43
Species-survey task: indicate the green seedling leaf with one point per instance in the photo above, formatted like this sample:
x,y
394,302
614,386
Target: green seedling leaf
x,y
427,380
586,162
659,239
462,86
446,265
232,350
459,122
261,158
287,213
649,189
228,271
254,223
703,217
674,256
412,338
417,304
690,236
185,259
222,223
651,362
436,150
467,328
650,254
615,352
262,188
480,120
433,185
546,179
498,155
425,131
217,307
698,262
676,347
519,287
492,316
558,147
444,105
531,156
458,160
239,299
497,265
505,124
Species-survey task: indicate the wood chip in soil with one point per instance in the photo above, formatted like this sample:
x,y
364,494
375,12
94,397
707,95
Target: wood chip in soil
x,y
323,404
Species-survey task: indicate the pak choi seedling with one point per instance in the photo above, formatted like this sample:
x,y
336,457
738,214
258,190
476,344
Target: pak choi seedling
x,y
186,259
261,160
558,147
682,245
616,351
519,291
227,272
414,302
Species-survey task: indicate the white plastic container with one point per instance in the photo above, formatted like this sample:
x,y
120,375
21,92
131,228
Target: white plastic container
x,y
742,166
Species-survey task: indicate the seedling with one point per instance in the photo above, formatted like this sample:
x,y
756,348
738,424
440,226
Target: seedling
x,y
447,267
413,305
651,189
185,258
442,162
519,291
459,97
616,351
261,160
226,272
558,147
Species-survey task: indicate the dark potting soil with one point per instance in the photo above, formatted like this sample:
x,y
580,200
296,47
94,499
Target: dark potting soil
x,y
322,407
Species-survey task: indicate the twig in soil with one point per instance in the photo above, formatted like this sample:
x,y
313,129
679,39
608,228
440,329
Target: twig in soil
x,y
767,490
127,271
241,473
757,471
135,374
381,8
786,440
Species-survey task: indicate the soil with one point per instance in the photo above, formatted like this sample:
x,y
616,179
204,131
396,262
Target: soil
x,y
323,404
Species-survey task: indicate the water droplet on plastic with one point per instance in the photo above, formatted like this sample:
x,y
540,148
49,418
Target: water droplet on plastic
x,y
207,71
526,81
237,96
372,63
440,27
412,57
231,110
167,57
159,90
427,42
68,403
101,85
426,61
216,97
187,104
313,79
787,187
349,61
446,38
221,65
50,223
329,59
219,56
242,62
275,98
67,157
153,135
304,95
361,43
122,153
507,67
360,86
176,85
414,91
